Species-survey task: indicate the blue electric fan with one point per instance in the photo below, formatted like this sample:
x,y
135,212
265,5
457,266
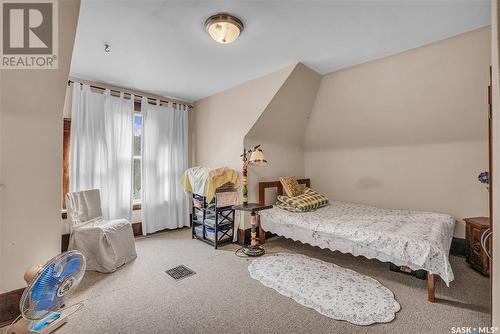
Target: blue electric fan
x,y
43,300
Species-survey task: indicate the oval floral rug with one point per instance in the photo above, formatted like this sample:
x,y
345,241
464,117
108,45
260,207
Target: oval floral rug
x,y
336,292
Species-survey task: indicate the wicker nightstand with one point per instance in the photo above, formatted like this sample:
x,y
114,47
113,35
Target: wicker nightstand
x,y
474,253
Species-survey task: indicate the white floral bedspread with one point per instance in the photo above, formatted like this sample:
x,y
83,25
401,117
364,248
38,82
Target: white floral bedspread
x,y
419,240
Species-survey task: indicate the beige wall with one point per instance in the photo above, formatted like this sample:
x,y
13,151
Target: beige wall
x,y
280,129
253,113
221,121
407,131
31,154
437,177
495,292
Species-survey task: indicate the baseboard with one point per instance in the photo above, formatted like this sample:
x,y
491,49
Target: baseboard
x,y
9,306
458,246
243,236
137,228
64,242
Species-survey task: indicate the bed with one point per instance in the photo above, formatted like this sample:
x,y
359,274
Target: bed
x,y
418,240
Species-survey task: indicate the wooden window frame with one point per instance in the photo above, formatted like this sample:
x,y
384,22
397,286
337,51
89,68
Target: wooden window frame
x,y
66,147
65,162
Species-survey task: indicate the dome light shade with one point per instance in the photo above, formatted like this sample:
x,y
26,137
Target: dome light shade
x,y
224,28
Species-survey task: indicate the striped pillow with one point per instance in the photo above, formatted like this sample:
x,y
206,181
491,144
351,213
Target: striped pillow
x,y
308,201
286,207
282,204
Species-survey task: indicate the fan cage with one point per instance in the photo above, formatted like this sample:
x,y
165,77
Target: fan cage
x,y
62,288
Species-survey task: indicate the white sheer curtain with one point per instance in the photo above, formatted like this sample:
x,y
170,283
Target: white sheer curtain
x,y
101,148
164,159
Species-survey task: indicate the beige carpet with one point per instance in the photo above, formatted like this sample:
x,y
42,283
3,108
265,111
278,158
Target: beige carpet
x,y
222,298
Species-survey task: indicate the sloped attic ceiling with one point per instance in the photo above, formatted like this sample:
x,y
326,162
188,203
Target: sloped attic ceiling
x,y
235,111
285,118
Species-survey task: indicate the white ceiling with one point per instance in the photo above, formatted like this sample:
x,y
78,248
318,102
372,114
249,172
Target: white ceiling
x,y
161,46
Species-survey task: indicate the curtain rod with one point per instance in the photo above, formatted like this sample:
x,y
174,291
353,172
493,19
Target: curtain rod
x,y
136,96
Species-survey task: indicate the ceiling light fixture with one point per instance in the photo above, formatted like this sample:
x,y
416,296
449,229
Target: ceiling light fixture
x,y
224,28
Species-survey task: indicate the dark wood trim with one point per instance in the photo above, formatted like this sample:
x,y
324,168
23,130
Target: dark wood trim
x,y
475,255
430,288
490,180
261,233
64,242
490,156
66,124
65,163
9,306
458,246
242,237
279,190
276,184
137,228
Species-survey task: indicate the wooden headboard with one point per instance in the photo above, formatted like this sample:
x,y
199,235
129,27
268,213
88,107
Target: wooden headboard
x,y
276,184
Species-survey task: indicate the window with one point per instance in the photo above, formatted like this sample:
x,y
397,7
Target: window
x,y
137,130
137,158
136,186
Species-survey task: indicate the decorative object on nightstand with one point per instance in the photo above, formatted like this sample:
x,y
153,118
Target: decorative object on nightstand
x,y
475,255
253,249
257,159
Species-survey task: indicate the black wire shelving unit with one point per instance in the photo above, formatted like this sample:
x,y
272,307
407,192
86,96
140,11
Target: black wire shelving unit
x,y
222,217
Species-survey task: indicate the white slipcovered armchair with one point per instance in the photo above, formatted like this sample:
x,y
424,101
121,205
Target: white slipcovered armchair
x,y
106,244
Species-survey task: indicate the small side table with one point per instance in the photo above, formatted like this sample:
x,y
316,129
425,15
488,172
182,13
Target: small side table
x,y
254,249
474,253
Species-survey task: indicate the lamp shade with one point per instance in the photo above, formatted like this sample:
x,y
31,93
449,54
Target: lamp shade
x,y
257,158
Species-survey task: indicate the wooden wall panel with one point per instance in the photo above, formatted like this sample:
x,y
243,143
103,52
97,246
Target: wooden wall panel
x,y
9,306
